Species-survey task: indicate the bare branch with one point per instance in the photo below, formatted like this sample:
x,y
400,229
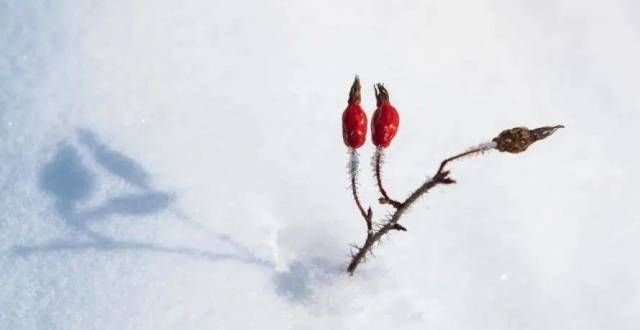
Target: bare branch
x,y
513,140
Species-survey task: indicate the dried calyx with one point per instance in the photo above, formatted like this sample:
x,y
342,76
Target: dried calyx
x,y
354,93
382,94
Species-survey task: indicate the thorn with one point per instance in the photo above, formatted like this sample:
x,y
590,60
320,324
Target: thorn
x,y
447,180
399,227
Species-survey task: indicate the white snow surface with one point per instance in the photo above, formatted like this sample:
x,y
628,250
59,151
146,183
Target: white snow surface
x,y
180,165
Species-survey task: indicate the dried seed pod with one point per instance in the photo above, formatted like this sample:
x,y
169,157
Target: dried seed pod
x,y
514,140
518,139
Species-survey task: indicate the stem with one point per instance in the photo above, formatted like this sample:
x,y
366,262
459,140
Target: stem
x,y
441,177
353,173
385,199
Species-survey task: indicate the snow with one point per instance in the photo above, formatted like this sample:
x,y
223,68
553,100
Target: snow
x,y
179,165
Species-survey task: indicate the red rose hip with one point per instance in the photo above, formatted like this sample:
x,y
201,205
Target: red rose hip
x,y
354,119
385,120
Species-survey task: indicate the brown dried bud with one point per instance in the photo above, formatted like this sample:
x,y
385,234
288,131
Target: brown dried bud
x,y
518,139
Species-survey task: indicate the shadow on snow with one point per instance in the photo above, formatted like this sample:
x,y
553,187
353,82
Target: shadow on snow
x,y
68,181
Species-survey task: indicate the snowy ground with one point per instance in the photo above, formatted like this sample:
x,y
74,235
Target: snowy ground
x,y
179,164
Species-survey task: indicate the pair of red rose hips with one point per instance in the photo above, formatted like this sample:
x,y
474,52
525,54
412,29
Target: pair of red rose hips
x,y
384,123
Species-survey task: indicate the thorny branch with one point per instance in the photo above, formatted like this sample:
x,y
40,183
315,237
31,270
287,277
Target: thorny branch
x,y
513,140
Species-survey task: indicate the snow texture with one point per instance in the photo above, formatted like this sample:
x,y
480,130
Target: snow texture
x,y
179,164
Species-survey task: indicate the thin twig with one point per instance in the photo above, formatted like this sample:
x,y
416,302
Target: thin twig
x,y
385,199
353,174
441,177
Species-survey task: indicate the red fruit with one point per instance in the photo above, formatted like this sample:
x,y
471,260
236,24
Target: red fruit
x,y
354,126
385,121
354,119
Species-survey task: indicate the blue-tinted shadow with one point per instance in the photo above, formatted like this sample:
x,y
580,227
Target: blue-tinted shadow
x,y
65,178
115,162
297,283
69,181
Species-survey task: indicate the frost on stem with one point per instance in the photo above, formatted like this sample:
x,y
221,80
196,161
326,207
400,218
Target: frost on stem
x,y
486,146
354,163
376,162
353,168
478,150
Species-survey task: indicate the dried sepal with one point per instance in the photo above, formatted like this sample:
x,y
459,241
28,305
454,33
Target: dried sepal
x,y
355,92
